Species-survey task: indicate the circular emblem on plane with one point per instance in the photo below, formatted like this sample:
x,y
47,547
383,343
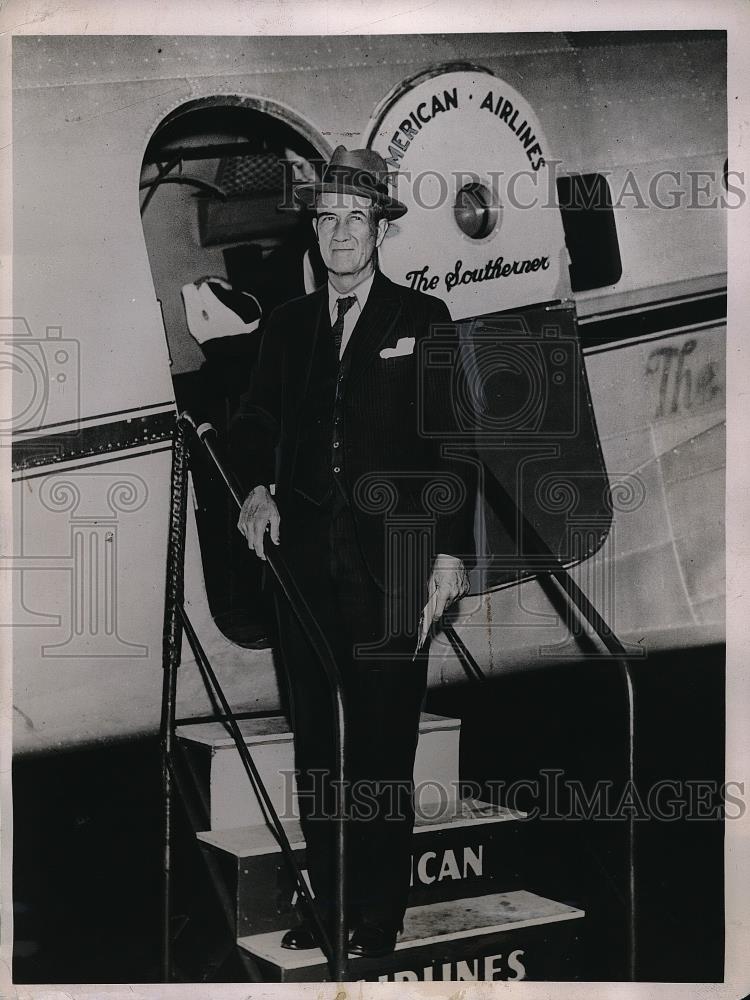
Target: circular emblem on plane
x,y
469,159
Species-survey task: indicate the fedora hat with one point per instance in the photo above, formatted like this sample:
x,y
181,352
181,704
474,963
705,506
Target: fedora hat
x,y
354,171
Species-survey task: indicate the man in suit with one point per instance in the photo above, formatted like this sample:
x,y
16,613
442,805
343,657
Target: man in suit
x,y
373,517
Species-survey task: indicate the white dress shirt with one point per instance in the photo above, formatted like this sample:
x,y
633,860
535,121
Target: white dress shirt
x,y
351,316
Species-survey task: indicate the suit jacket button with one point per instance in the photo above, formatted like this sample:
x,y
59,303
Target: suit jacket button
x,y
336,468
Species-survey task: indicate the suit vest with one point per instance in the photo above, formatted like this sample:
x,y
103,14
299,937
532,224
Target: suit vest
x,y
319,471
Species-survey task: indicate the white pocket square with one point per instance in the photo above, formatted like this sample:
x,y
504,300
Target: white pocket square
x,y
404,346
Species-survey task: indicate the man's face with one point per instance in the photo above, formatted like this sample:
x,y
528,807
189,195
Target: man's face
x,y
346,233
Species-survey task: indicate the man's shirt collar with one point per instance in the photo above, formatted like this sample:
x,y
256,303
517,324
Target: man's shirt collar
x,y
360,292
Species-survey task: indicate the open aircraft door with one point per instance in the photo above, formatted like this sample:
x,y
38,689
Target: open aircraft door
x,y
483,231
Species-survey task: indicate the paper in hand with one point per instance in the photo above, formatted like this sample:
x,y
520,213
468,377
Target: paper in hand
x,y
421,636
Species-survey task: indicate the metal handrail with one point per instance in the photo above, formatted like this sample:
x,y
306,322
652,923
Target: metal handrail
x,y
528,538
269,812
176,620
337,953
171,651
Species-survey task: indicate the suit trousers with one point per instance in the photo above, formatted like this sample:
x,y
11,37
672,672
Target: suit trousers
x,y
384,688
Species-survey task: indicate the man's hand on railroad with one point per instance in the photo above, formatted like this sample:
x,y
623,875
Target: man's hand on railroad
x,y
259,514
448,582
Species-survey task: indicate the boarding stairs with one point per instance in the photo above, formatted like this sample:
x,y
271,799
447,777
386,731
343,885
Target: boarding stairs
x,y
470,914
473,914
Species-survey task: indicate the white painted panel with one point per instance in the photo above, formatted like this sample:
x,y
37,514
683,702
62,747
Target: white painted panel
x,y
233,802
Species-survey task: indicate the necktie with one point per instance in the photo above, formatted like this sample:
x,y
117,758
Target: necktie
x,y
343,305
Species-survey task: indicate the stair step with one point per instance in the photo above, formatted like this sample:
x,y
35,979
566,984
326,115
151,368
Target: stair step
x,y
467,848
213,759
506,935
275,729
251,841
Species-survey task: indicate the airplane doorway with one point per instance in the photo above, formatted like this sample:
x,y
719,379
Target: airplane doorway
x,y
226,244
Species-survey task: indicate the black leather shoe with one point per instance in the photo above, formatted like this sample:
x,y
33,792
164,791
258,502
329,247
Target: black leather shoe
x,y
299,938
372,941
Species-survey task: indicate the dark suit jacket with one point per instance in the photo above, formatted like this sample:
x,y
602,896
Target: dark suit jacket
x,y
397,416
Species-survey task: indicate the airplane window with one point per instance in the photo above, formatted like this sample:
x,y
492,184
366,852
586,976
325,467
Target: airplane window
x,y
585,202
476,210
226,244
